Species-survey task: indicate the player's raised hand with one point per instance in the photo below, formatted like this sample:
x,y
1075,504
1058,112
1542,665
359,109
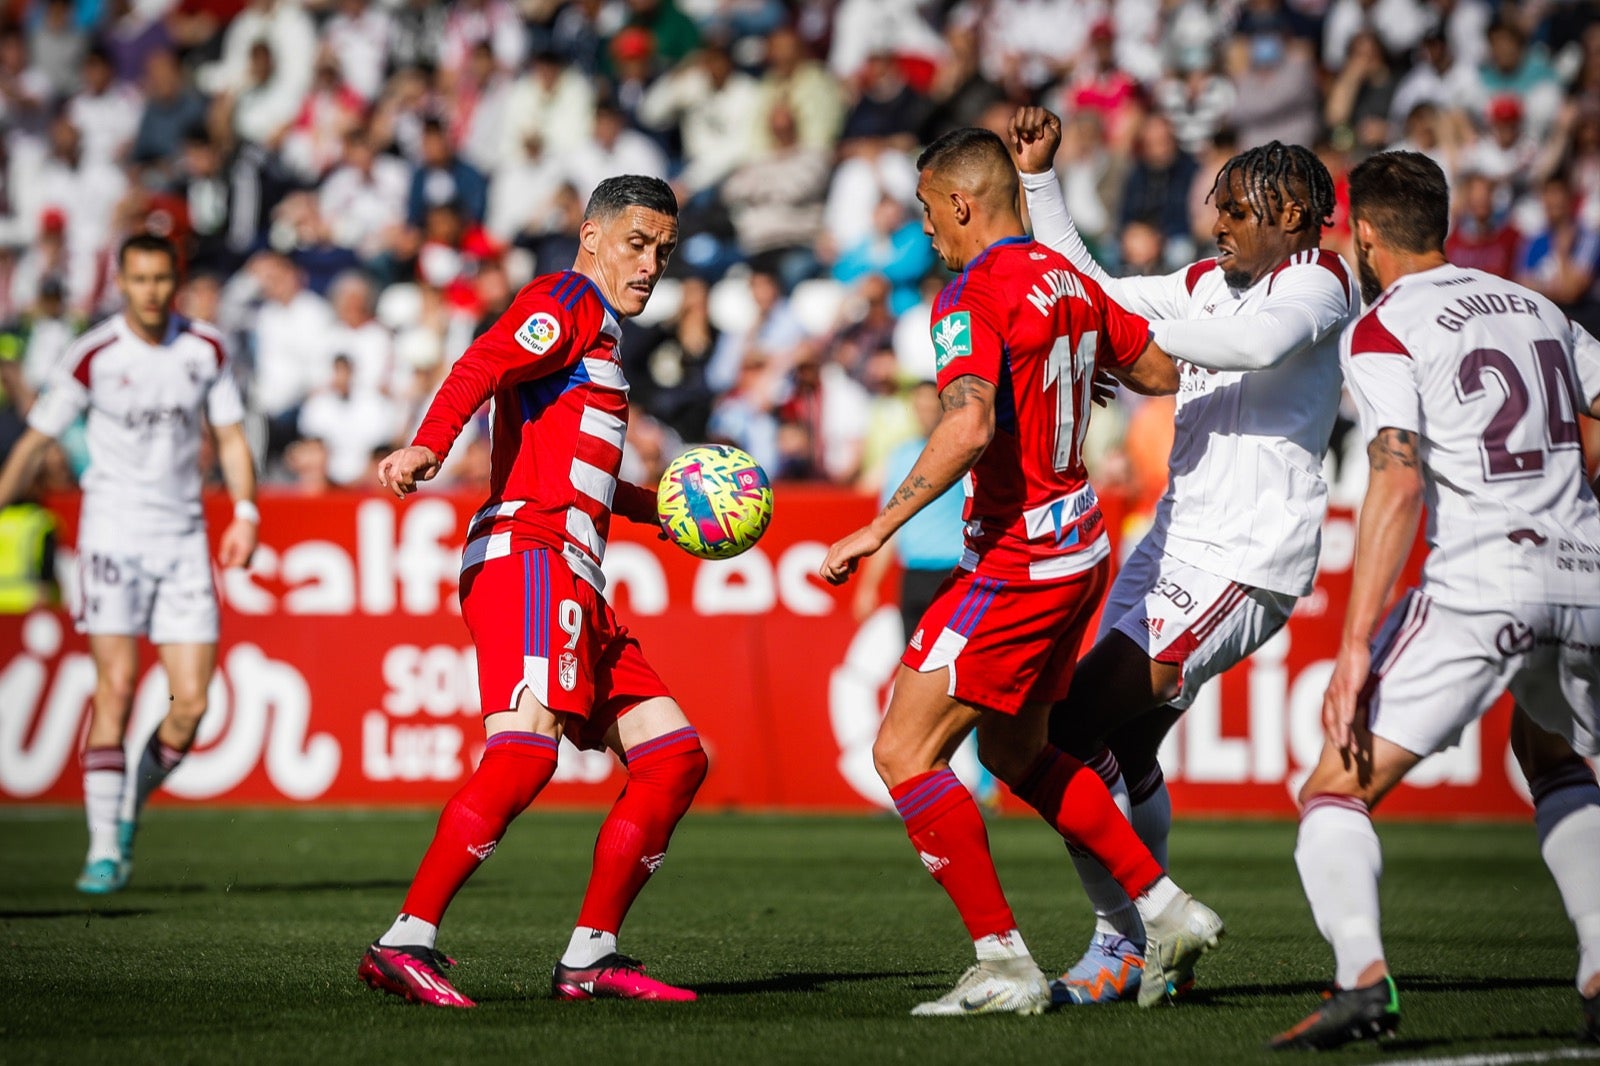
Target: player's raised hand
x,y
1343,700
402,469
845,554
1034,135
238,544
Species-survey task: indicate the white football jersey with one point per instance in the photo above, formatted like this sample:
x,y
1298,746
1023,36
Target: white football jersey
x,y
144,404
1245,493
1256,403
1491,377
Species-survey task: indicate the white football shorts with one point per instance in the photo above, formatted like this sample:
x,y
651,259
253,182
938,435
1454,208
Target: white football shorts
x,y
1436,669
1181,614
158,586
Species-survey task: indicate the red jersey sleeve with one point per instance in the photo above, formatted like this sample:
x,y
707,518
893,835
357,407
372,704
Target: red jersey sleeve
x,y
1125,336
967,331
535,337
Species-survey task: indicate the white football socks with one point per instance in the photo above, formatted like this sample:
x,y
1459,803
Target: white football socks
x,y
1568,820
410,931
588,946
1340,863
1157,898
104,770
997,946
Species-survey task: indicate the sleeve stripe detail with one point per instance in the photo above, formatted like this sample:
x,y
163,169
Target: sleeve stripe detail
x,y
1329,261
81,370
216,345
1372,337
567,279
1196,272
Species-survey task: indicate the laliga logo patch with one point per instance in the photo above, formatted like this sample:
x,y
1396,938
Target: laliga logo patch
x,y
567,670
540,333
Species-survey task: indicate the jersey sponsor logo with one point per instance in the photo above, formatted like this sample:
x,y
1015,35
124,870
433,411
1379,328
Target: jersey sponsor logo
x,y
1181,597
539,333
567,670
952,338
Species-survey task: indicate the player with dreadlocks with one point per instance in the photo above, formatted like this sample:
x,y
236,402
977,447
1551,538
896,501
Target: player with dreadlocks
x,y
1255,333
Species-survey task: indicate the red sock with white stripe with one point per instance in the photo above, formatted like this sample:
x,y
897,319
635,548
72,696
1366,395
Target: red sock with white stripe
x,y
947,830
104,770
1073,799
1340,862
515,768
664,774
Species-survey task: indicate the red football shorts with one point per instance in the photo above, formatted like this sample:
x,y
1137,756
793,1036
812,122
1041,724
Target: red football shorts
x,y
1007,644
538,626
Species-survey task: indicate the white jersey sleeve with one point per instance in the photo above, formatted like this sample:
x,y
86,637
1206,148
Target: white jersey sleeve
x,y
1586,358
1380,377
224,402
66,393
1161,297
1307,300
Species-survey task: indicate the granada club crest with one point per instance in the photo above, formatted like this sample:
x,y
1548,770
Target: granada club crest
x,y
567,670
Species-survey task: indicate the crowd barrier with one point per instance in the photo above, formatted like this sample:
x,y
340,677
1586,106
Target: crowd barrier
x,y
346,676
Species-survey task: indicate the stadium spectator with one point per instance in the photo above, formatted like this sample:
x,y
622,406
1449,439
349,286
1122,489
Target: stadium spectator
x,y
287,345
172,110
614,148
1396,26
1359,102
359,336
793,80
351,423
713,106
471,23
1195,98
132,33
1099,85
478,99
104,110
1277,88
57,46
364,198
314,142
1515,69
894,249
1156,191
776,201
551,102
1481,236
1562,259
359,32
443,178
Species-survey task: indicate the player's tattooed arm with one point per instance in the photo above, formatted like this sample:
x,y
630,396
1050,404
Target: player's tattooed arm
x,y
1393,447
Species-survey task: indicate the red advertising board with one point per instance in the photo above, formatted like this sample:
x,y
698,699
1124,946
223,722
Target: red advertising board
x,y
347,677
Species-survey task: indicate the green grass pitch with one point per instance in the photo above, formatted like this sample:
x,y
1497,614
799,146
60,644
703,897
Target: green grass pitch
x,y
808,939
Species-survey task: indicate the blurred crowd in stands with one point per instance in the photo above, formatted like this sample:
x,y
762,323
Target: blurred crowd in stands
x,y
359,187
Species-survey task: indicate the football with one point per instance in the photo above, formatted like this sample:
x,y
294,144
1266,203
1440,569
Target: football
x,y
714,501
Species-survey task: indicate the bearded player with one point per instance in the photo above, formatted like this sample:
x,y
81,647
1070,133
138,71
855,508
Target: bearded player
x,y
1469,391
553,660
1236,536
1019,335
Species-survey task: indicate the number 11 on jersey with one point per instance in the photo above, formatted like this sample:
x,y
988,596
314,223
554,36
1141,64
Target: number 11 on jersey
x,y
1069,370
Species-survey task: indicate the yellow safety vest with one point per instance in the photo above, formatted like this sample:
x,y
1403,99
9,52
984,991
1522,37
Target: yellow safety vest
x,y
27,563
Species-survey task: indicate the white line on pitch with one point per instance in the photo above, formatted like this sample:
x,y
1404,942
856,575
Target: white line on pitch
x,y
1506,1058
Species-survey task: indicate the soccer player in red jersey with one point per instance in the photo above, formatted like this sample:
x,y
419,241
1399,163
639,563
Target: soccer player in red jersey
x,y
1019,335
553,660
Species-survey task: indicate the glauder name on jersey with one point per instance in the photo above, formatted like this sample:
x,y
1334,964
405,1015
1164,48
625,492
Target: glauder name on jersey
x,y
1454,316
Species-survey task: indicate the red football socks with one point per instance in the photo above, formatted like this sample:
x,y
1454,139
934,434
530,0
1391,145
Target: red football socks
x,y
947,830
663,776
515,768
1074,800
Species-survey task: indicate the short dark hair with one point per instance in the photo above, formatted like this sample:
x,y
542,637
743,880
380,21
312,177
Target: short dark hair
x,y
972,149
147,242
1277,174
1405,197
615,195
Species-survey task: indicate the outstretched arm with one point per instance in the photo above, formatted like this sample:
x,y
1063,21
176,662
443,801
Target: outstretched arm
x,y
1384,534
1307,304
955,444
22,465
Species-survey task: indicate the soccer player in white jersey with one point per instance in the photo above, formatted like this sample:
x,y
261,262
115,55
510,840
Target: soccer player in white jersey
x,y
1469,390
148,379
1236,535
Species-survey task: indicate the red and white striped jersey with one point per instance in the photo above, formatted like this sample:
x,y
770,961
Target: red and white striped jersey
x,y
1491,377
146,404
560,414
